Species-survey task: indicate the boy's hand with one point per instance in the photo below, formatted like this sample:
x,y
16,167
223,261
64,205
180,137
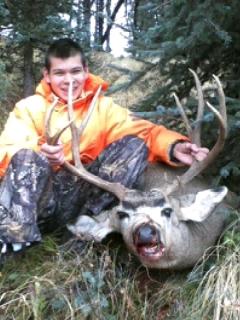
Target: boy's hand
x,y
187,152
54,154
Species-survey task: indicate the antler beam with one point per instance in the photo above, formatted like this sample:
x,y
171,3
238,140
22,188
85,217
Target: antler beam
x,y
78,169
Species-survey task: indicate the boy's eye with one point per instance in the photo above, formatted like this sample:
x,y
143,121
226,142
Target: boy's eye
x,y
58,73
76,71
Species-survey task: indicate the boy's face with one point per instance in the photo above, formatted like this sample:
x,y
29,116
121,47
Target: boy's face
x,y
62,71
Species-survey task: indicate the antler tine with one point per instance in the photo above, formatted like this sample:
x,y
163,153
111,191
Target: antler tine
x,y
91,108
53,139
50,139
193,133
222,100
75,138
196,134
115,188
198,166
184,116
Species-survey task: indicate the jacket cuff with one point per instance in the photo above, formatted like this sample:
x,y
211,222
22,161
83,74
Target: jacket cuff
x,y
171,150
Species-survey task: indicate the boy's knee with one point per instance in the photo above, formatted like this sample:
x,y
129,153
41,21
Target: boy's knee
x,y
24,156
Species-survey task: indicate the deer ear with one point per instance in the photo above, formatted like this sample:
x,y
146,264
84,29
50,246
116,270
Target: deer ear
x,y
203,205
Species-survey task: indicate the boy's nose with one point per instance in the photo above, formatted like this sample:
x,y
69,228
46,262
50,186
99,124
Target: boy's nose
x,y
68,78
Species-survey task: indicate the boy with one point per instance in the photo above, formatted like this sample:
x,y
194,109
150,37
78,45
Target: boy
x,y
35,188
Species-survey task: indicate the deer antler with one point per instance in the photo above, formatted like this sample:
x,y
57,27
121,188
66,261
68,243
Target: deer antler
x,y
78,169
194,134
52,139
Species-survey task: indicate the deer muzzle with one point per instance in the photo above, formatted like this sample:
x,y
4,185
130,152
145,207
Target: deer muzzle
x,y
147,241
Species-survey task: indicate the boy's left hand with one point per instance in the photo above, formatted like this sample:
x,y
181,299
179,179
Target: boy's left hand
x,y
187,152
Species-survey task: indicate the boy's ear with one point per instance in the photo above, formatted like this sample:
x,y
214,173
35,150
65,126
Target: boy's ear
x,y
46,75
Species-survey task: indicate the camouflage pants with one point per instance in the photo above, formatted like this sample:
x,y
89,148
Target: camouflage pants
x,y
33,197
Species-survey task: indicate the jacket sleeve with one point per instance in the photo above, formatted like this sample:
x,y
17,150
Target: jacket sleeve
x,y
19,132
121,122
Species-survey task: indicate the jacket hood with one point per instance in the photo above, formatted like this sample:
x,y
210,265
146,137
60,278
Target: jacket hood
x,y
90,87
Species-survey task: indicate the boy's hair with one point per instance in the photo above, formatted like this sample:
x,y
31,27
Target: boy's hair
x,y
64,48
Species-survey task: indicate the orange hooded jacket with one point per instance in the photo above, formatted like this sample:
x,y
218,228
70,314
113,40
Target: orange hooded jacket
x,y
109,122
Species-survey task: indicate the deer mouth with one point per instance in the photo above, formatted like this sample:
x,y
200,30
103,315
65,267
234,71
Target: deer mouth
x,y
150,252
146,239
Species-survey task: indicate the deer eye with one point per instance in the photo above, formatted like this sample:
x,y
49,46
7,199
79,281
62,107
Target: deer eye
x,y
122,215
167,212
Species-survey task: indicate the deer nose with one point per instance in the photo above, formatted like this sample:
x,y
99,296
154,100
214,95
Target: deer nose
x,y
146,233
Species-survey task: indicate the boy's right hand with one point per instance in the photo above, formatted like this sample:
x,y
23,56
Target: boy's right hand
x,y
54,154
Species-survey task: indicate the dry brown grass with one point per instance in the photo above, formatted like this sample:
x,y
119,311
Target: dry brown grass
x,y
57,282
51,282
218,294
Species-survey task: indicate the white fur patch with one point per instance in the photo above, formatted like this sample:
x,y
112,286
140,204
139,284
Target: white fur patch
x,y
204,204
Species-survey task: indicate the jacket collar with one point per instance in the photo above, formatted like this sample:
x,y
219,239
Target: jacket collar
x,y
90,87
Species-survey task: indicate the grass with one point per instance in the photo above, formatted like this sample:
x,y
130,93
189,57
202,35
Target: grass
x,y
217,296
219,290
76,281
95,282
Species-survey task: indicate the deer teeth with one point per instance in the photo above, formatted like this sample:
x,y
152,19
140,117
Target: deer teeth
x,y
17,246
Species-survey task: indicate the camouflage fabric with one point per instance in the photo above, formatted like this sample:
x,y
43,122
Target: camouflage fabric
x,y
33,197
